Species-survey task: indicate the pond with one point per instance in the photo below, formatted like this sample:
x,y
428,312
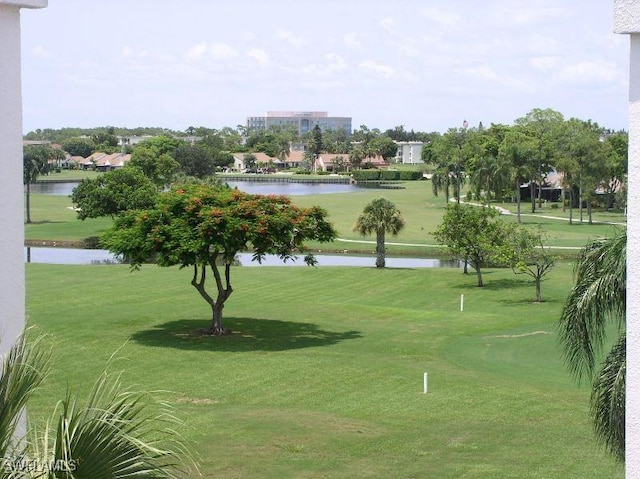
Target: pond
x,y
97,256
253,187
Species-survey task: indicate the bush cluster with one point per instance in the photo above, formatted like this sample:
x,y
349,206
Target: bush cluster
x,y
386,175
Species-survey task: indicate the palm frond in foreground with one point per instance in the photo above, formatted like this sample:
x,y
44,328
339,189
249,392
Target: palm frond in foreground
x,y
597,302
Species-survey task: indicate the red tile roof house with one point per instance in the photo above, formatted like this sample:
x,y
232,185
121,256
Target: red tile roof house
x,y
103,161
324,162
292,160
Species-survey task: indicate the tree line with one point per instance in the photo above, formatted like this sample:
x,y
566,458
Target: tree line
x,y
590,162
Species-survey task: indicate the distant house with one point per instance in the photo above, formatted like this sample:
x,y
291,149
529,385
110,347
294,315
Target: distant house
x,y
104,162
326,161
292,160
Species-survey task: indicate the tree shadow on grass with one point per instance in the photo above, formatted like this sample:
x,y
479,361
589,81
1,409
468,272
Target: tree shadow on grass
x,y
45,222
491,284
247,334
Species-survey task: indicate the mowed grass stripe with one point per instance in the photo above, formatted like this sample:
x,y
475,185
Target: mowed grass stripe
x,y
323,374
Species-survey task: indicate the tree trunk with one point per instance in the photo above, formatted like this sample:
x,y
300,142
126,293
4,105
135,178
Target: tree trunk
x,y
479,276
28,203
518,201
532,190
571,206
380,250
589,211
580,202
224,291
216,322
538,280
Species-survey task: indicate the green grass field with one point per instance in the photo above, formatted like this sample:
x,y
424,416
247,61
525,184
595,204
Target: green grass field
x,y
54,220
323,375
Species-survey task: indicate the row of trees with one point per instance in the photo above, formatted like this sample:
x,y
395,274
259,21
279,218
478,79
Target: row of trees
x,y
495,161
591,162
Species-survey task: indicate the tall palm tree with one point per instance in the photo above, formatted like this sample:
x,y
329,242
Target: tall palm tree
x,y
112,435
516,149
380,216
598,300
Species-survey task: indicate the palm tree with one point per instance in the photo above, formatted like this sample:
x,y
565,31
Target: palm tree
x,y
516,148
597,300
112,435
380,216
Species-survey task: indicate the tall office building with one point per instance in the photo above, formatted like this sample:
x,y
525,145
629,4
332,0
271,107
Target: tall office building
x,y
302,121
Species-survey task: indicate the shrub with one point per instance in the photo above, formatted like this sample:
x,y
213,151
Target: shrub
x,y
407,175
366,175
389,175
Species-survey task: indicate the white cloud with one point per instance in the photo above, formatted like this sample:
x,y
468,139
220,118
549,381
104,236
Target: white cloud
x,y
528,15
542,44
590,72
222,51
388,24
481,72
217,51
410,50
544,63
441,16
260,56
335,63
378,68
197,51
40,51
289,37
352,40
128,52
485,74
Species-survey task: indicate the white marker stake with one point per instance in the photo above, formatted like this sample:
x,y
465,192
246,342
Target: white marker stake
x,y
425,383
462,302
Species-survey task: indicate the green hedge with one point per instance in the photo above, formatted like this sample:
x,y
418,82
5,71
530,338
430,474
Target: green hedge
x,y
407,175
366,175
386,175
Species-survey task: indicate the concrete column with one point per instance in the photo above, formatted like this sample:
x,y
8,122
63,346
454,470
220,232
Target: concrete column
x,y
627,20
12,293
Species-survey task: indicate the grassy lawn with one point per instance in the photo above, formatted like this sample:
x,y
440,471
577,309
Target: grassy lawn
x,y
54,220
322,377
69,175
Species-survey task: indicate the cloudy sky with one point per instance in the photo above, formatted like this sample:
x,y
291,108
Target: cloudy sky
x,y
423,64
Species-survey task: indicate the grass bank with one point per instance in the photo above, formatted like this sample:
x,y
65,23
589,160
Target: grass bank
x,y
54,220
323,375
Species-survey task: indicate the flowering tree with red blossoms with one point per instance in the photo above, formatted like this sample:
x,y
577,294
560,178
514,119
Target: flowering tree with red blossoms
x,y
204,227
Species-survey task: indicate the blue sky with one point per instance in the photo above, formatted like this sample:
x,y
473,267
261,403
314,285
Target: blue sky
x,y
426,65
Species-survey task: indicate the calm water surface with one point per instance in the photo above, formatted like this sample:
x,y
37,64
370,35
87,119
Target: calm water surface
x,y
97,256
253,187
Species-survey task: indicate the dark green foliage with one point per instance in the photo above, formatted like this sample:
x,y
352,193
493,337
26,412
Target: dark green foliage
x,y
195,161
114,192
380,216
78,146
597,301
35,162
472,234
205,226
406,175
366,175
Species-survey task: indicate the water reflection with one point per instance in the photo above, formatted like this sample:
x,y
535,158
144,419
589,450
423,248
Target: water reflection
x,y
68,256
252,187
96,256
